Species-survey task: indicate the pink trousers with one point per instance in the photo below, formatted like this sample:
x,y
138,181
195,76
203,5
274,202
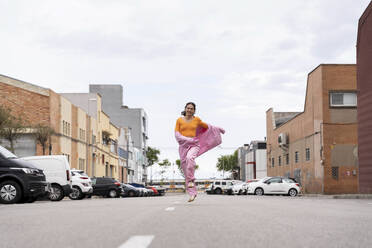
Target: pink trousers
x,y
188,167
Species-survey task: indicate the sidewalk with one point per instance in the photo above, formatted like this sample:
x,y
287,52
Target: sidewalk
x,y
341,196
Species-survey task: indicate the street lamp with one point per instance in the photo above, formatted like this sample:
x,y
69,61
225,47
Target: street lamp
x,y
127,136
88,131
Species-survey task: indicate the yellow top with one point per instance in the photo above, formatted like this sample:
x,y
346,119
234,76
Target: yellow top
x,y
188,128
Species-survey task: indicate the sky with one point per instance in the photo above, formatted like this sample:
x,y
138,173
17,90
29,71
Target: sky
x,y
234,59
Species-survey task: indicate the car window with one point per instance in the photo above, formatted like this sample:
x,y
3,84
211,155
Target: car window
x,y
223,183
288,180
94,180
275,180
217,183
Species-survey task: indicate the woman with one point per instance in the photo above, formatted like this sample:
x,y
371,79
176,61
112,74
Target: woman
x,y
194,138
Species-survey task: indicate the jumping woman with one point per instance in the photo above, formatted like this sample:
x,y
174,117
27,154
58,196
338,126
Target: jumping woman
x,y
194,138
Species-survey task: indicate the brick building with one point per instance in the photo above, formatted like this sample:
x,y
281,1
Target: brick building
x,y
78,135
318,146
364,80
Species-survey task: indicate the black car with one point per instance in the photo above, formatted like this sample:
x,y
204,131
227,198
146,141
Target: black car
x,y
106,186
129,190
20,181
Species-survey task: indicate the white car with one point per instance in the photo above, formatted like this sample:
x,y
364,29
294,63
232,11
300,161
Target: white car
x,y
240,188
274,185
81,185
219,186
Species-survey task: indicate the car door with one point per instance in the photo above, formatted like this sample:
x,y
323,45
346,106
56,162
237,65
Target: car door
x,y
274,186
99,186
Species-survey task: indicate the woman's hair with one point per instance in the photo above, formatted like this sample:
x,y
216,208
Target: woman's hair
x,y
184,112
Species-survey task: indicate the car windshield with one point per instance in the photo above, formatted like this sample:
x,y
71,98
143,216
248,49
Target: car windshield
x,y
6,153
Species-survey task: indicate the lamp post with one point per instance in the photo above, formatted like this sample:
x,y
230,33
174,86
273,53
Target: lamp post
x,y
127,136
88,138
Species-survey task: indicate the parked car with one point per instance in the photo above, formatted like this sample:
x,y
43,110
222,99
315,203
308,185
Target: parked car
x,y
81,185
57,172
19,179
239,188
159,189
106,187
274,185
146,192
129,190
219,186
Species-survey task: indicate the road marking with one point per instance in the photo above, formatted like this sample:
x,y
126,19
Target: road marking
x,y
169,209
370,203
138,242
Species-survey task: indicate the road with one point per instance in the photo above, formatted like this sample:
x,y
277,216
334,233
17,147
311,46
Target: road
x,y
209,221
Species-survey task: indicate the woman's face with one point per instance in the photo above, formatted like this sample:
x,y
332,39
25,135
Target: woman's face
x,y
190,110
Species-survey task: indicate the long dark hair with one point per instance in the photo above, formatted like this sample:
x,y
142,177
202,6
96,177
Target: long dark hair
x,y
184,112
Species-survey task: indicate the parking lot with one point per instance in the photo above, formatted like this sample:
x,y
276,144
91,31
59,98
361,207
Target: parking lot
x,y
209,221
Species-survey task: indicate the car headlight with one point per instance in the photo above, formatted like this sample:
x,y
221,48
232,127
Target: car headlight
x,y
85,184
27,170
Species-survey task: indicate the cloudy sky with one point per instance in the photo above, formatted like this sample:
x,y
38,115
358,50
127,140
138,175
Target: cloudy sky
x,y
234,59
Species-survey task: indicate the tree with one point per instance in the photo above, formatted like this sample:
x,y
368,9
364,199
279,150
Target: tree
x,y
4,116
43,136
178,163
152,155
11,129
163,167
229,163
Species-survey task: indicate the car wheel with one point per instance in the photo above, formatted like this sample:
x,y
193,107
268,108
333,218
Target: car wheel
x,y
292,192
10,192
112,193
56,193
218,191
259,191
75,194
240,192
131,193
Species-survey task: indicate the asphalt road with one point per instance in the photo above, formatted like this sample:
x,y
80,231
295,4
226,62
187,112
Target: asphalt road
x,y
209,221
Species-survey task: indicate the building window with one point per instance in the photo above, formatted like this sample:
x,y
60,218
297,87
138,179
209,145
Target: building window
x,y
343,99
81,164
335,173
287,158
272,162
296,157
280,160
307,154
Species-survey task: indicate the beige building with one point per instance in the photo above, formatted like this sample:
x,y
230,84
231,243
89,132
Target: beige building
x,y
318,146
84,134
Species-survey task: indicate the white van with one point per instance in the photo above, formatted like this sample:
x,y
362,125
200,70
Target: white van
x,y
57,172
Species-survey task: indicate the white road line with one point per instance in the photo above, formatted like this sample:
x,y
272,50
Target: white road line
x,y
138,242
169,209
370,203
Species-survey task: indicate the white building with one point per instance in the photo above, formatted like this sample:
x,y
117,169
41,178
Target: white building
x,y
255,160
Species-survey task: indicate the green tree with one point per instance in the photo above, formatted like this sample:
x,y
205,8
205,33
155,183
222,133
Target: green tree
x,y
229,163
152,155
178,163
43,135
11,129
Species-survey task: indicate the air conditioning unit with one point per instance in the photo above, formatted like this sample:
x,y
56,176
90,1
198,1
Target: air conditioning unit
x,y
283,139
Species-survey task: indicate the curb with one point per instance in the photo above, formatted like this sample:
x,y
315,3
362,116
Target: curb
x,y
344,196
